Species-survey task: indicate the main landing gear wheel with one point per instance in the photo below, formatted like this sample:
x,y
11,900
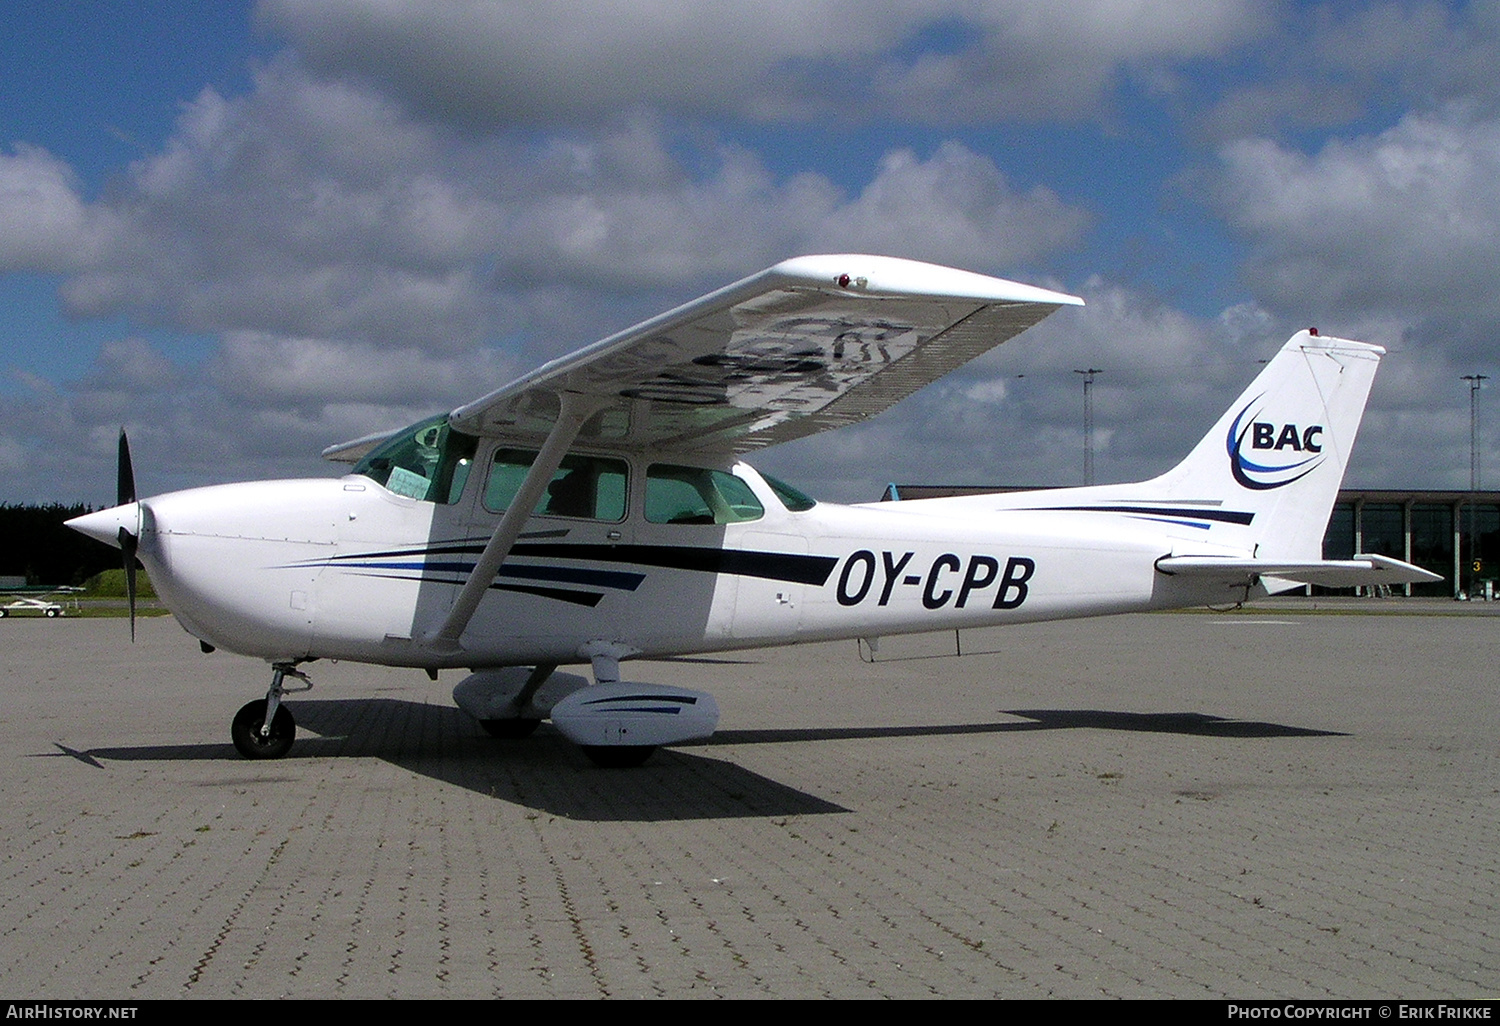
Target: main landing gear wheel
x,y
251,742
618,756
510,730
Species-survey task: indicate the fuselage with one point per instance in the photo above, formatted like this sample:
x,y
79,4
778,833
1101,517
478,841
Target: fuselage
x,y
349,569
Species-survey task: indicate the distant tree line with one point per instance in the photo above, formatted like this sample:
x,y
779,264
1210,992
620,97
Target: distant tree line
x,y
35,545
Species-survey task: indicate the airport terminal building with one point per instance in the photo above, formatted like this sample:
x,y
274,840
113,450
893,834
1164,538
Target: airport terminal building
x,y
1456,534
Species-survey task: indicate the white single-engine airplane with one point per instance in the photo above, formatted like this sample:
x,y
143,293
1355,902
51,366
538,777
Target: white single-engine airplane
x,y
597,510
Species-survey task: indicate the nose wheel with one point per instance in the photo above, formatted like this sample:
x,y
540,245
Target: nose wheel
x,y
251,738
265,729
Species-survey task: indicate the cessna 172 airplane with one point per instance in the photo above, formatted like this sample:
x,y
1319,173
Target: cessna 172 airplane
x,y
597,510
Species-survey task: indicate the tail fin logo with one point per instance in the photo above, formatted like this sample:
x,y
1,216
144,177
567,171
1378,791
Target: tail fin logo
x,y
1266,439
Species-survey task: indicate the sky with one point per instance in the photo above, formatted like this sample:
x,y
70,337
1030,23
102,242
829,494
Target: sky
x,y
247,231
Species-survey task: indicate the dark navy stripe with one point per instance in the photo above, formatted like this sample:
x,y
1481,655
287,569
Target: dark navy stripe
x,y
578,598
1227,516
680,699
775,566
454,547
621,579
1196,525
672,709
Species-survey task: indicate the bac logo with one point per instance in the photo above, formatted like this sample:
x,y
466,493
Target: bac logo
x,y
1278,453
1264,436
945,580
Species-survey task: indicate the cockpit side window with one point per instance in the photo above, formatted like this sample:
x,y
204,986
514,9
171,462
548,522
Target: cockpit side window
x,y
428,461
587,487
693,495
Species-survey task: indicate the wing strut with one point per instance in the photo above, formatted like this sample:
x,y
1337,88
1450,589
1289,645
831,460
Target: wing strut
x,y
575,409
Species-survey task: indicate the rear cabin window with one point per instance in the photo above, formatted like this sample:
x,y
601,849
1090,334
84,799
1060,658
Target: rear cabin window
x,y
692,495
428,461
794,500
586,487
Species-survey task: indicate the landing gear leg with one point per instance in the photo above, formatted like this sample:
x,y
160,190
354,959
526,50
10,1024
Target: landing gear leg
x,y
519,727
264,729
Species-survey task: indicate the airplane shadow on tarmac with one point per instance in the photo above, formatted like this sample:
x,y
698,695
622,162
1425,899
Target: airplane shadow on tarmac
x,y
548,773
1199,724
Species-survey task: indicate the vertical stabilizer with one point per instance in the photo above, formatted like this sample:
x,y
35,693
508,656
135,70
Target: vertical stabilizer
x,y
1279,452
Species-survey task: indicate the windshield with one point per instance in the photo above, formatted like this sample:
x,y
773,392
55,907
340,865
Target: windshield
x,y
428,461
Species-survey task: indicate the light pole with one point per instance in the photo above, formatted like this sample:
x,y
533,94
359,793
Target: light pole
x,y
1475,381
1088,422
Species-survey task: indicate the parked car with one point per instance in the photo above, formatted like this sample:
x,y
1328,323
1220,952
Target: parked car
x,y
33,606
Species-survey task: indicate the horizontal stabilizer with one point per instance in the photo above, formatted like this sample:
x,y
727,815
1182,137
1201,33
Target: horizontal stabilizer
x,y
1362,570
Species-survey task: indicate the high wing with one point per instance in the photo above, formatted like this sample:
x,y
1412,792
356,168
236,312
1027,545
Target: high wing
x,y
809,345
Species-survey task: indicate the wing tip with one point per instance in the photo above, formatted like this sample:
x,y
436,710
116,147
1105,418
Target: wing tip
x,y
877,275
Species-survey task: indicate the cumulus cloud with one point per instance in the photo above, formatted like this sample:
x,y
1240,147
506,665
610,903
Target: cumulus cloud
x,y
393,220
1393,238
484,63
359,268
276,371
44,222
310,209
132,366
955,208
1429,49
1029,61
1344,64
667,229
1402,223
300,209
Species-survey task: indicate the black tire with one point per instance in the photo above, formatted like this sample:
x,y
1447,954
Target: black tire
x,y
510,730
245,731
50,613
4,613
618,756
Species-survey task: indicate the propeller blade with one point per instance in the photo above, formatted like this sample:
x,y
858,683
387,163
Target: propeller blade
x,y
127,549
125,494
125,476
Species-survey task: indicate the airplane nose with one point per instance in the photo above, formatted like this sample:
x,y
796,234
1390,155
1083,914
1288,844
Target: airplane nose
x,y
104,525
